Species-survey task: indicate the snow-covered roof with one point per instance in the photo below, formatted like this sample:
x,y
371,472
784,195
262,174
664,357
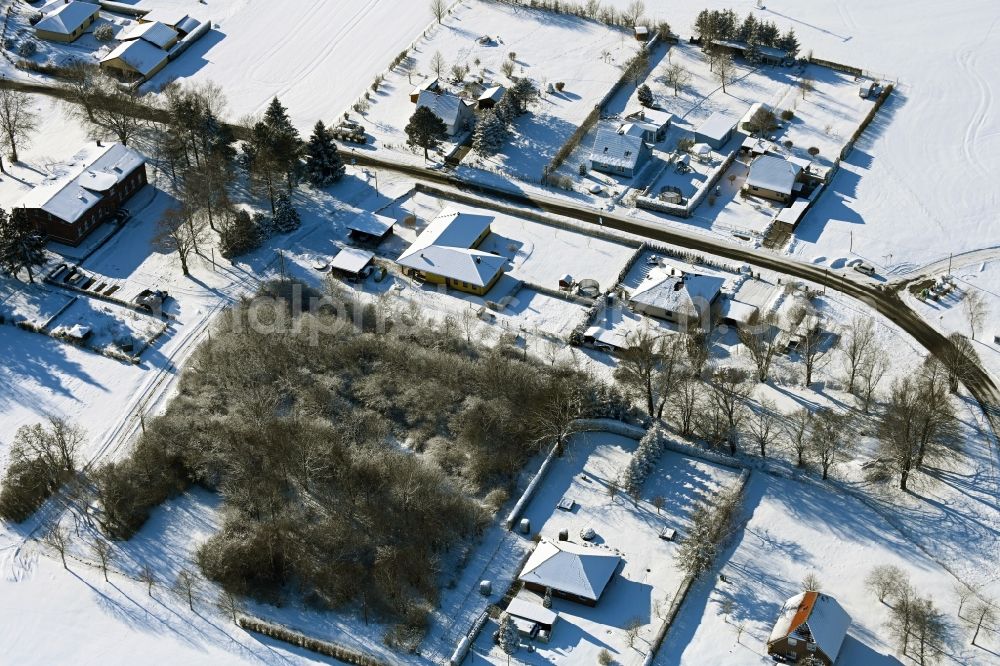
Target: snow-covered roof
x,y
532,611
758,145
743,46
616,149
93,171
738,311
159,34
657,117
635,129
429,83
773,173
701,149
445,248
756,109
577,570
351,260
371,223
683,294
171,17
494,94
139,55
67,19
187,25
815,615
717,125
445,106
612,337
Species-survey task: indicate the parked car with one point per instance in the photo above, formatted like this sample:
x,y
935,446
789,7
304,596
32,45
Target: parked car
x,y
151,300
867,269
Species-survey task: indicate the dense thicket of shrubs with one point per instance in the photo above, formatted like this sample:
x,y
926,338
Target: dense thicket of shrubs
x,y
349,460
42,458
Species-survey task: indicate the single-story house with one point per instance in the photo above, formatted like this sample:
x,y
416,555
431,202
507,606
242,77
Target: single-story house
x,y
445,253
716,130
428,84
135,59
767,54
452,109
810,624
577,573
351,261
653,123
756,118
67,22
99,180
619,154
158,34
685,299
773,178
533,620
491,97
369,227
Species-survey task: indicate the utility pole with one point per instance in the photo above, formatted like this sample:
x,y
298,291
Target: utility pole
x,y
850,247
949,264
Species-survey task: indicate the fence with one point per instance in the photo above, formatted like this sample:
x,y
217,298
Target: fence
x,y
282,633
650,203
882,97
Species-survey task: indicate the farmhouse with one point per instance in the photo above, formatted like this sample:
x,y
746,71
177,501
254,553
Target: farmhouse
x,y
619,154
158,34
369,227
773,178
135,59
453,110
716,130
810,624
651,123
573,572
684,299
491,97
98,181
67,22
445,253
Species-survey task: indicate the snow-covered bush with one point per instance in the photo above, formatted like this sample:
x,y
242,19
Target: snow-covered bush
x,y
27,48
104,32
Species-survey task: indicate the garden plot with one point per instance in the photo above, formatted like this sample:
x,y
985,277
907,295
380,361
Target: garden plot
x,y
585,56
649,574
546,314
794,529
107,327
31,305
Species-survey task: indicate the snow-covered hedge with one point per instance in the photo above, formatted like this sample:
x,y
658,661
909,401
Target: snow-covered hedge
x,y
644,459
282,633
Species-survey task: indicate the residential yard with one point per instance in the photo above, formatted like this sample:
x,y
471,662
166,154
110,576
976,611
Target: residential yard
x,y
588,61
649,574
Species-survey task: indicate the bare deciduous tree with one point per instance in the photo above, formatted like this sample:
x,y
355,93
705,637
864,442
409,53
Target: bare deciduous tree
x,y
229,605
760,340
105,107
797,431
811,582
725,69
439,9
438,64
148,576
806,85
856,346
959,359
17,120
685,404
982,612
976,308
632,628
676,77
179,232
728,392
763,424
885,580
186,586
659,502
58,538
872,371
101,548
828,438
633,13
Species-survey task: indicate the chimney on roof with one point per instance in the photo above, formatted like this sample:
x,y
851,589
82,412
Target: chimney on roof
x,y
479,260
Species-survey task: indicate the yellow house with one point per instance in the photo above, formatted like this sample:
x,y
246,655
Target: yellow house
x,y
67,22
445,253
136,59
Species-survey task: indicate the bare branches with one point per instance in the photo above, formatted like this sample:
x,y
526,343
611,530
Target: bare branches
x,y
17,120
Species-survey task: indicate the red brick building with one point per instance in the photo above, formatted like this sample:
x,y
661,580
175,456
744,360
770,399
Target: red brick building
x,y
84,192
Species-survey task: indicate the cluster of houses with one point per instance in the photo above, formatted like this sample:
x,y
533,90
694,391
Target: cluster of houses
x,y
143,48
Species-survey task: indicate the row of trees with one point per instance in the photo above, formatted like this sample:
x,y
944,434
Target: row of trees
x,y
725,24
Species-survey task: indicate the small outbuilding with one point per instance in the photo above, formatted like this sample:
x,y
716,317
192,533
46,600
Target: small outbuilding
x,y
533,620
371,228
67,22
351,262
491,97
620,154
429,84
642,33
810,624
166,16
652,124
716,130
158,34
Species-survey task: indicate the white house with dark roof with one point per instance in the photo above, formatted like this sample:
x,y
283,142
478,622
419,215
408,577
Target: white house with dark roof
x,y
445,253
452,109
66,22
774,178
619,154
577,573
810,624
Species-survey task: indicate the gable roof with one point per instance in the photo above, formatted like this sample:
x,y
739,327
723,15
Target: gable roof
x,y
717,125
371,223
773,173
494,93
159,34
816,617
679,293
572,569
75,191
430,83
657,117
616,149
445,106
445,248
139,55
67,19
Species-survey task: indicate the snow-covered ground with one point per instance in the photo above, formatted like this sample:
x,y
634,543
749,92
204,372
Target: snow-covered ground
x,y
588,61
